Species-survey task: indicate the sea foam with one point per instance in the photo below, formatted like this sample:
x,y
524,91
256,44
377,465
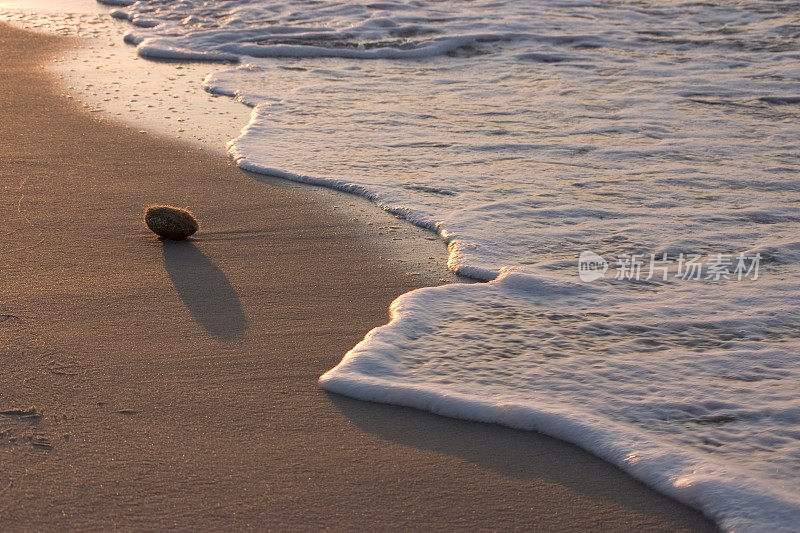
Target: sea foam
x,y
694,403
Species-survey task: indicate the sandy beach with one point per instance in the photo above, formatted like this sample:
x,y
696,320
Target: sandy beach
x,y
149,385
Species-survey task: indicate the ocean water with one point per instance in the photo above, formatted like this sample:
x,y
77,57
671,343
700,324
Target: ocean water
x,y
659,139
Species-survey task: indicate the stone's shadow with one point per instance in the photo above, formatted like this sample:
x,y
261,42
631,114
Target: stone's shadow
x,y
517,454
204,290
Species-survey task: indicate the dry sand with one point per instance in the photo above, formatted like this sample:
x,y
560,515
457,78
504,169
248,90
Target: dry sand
x,y
152,386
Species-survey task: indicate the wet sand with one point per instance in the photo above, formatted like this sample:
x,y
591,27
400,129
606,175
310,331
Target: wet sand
x,y
150,385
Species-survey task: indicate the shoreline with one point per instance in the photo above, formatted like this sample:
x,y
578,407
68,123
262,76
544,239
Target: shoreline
x,y
150,386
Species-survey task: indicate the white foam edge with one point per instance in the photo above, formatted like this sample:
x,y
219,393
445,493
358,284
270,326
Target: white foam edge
x,y
734,500
160,48
455,262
